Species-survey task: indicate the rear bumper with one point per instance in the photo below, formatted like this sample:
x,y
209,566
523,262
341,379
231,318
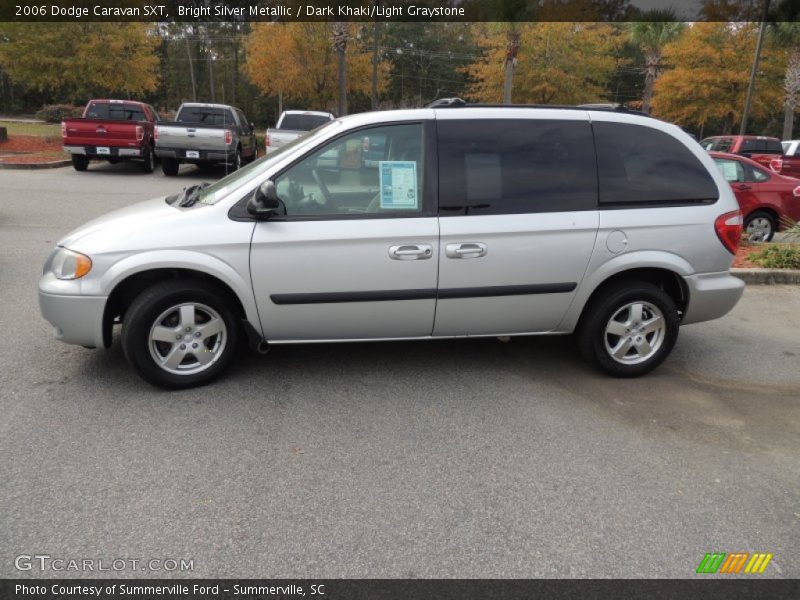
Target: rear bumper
x,y
75,319
213,155
113,151
711,295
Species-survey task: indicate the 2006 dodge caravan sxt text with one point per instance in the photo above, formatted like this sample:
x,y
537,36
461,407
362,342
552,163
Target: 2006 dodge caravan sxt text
x,y
416,224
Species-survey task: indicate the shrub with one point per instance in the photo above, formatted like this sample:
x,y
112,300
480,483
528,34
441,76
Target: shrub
x,y
778,256
55,113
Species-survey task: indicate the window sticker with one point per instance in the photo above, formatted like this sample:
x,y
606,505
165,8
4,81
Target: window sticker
x,y
729,170
398,183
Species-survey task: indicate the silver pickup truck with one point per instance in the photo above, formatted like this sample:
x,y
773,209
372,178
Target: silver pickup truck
x,y
292,124
205,134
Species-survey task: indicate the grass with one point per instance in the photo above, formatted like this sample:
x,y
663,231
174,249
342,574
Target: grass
x,y
777,256
40,129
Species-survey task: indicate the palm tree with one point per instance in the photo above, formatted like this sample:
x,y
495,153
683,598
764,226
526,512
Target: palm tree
x,y
787,34
651,36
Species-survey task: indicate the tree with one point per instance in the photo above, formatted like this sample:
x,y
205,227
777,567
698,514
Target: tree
x,y
711,69
299,61
566,63
75,61
787,35
651,36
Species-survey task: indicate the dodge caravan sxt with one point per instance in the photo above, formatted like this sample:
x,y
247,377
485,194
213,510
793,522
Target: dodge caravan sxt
x,y
418,224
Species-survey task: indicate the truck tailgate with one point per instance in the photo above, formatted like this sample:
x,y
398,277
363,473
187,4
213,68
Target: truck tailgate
x,y
190,137
279,137
97,132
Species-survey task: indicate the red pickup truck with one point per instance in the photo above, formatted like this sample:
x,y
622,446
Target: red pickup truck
x,y
765,150
111,130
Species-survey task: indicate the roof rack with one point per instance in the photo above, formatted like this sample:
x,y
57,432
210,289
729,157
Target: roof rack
x,y
609,107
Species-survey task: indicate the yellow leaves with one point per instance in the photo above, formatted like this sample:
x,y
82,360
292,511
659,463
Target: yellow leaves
x,y
709,73
81,59
557,63
298,60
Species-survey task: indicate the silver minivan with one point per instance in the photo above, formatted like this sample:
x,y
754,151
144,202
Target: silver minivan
x,y
459,221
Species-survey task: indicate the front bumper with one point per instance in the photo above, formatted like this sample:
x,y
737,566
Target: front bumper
x,y
76,319
113,151
711,296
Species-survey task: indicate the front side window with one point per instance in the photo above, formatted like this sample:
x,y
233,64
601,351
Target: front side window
x,y
731,169
642,165
514,166
378,171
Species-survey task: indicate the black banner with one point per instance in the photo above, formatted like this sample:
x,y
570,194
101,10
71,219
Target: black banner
x,y
737,587
394,10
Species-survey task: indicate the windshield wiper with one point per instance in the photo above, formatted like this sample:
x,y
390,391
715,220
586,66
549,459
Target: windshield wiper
x,y
191,194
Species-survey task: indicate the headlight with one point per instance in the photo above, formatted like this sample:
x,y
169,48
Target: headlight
x,y
67,264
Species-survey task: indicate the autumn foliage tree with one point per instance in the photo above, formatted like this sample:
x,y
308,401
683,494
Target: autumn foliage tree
x,y
299,61
78,60
557,63
710,69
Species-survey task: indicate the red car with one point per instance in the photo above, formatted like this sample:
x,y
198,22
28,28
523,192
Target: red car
x,y
764,197
765,150
111,130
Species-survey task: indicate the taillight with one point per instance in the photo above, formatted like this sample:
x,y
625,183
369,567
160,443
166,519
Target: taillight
x,y
729,230
63,129
776,164
155,134
139,133
796,192
228,136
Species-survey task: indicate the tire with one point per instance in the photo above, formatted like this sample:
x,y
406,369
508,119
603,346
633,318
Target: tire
x,y
80,162
237,160
610,323
759,226
170,166
197,312
149,161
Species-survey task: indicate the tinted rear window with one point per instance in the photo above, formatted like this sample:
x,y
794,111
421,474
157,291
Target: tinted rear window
x,y
506,166
303,122
206,116
639,165
115,112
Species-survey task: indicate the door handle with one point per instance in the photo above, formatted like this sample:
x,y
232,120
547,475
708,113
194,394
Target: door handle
x,y
466,250
743,187
411,252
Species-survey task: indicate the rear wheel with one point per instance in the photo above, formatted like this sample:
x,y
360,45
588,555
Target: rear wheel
x,y
629,329
759,226
237,160
149,162
80,162
180,334
169,166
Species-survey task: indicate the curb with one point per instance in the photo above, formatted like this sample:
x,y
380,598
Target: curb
x,y
768,276
47,165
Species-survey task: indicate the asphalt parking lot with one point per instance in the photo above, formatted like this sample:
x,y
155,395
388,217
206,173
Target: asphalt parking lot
x,y
434,459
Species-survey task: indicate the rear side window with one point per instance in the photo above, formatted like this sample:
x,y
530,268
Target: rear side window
x,y
115,112
642,165
206,115
511,166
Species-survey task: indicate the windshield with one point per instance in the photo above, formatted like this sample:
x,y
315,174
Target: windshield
x,y
216,191
303,122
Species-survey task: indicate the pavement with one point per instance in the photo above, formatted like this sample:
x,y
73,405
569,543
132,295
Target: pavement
x,y
471,458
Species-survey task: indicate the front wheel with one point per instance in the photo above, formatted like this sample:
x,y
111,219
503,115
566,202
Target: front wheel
x,y
180,334
629,329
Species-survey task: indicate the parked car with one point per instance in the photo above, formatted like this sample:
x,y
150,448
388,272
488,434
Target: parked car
x,y
292,124
791,158
764,197
473,221
111,130
764,150
205,134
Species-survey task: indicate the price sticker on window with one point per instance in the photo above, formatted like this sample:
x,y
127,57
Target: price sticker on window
x,y
398,181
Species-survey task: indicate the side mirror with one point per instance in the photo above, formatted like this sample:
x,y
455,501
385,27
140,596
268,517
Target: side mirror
x,y
264,202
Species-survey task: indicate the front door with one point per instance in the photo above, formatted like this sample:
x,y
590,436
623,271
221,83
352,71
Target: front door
x,y
356,254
